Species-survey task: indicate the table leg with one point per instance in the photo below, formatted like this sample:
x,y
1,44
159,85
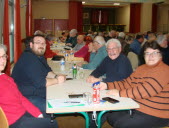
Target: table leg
x,y
99,117
86,118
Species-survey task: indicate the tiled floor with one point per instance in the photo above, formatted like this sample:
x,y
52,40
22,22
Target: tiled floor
x,y
70,121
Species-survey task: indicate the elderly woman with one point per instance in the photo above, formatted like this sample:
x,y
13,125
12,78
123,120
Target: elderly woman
x,y
20,112
149,87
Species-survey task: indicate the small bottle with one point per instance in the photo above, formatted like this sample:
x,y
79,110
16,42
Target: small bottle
x,y
96,93
66,57
62,64
74,71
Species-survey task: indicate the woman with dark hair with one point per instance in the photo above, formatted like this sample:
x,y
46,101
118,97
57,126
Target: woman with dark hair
x,y
149,87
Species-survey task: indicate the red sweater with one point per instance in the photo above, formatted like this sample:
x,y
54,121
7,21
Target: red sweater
x,y
49,53
13,103
149,87
83,52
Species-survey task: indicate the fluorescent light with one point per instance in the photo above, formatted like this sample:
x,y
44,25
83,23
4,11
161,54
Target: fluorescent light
x,y
83,2
116,4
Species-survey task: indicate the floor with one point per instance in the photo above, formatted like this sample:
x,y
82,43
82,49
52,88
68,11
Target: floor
x,y
71,121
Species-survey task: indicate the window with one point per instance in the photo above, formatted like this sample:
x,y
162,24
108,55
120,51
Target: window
x,y
11,29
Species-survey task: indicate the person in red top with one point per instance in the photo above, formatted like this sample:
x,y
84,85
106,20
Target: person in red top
x,y
84,51
49,41
20,112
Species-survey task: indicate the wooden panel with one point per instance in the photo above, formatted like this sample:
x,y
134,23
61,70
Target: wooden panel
x,y
44,25
60,24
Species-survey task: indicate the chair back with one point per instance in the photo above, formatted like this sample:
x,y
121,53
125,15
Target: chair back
x,y
3,119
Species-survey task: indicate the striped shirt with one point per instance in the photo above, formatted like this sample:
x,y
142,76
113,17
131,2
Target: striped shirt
x,y
149,87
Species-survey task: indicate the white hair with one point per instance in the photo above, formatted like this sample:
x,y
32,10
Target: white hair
x,y
73,31
113,41
100,40
122,34
161,38
2,46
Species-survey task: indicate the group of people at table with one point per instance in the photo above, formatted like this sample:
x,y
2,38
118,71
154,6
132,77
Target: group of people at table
x,y
23,95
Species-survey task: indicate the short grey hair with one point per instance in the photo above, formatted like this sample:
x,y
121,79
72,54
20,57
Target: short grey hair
x,y
73,31
2,46
161,38
113,41
100,40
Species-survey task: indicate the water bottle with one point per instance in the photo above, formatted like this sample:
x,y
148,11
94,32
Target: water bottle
x,y
62,64
66,57
74,71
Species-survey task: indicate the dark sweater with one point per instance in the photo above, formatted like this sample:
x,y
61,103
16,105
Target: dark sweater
x,y
115,70
30,74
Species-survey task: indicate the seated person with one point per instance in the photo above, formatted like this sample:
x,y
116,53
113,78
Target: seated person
x,y
97,51
20,112
72,40
64,37
162,41
115,66
149,87
32,73
84,51
80,43
49,41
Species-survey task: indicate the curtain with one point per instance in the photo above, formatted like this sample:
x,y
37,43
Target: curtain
x,y
1,19
154,18
6,35
75,16
28,18
135,16
99,16
17,32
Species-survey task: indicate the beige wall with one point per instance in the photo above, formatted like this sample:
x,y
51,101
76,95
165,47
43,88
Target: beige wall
x,y
123,16
50,10
23,17
146,17
163,18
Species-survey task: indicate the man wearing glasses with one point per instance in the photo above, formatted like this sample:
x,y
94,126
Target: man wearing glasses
x,y
32,73
115,66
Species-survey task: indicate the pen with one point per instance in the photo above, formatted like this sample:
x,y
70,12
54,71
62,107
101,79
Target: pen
x,y
71,102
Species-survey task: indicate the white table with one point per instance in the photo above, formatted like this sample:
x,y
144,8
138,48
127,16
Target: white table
x,y
77,86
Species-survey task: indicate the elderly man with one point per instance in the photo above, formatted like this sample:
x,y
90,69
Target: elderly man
x,y
32,73
97,51
112,34
72,40
80,43
162,41
115,66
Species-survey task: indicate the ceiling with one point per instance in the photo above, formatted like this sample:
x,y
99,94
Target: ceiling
x,y
111,2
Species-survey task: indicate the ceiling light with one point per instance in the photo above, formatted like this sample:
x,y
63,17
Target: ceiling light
x,y
83,2
116,4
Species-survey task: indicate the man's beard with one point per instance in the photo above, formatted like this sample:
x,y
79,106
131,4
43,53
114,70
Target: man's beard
x,y
39,52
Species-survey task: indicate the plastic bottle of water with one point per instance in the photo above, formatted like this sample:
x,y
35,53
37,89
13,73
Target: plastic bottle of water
x,y
62,64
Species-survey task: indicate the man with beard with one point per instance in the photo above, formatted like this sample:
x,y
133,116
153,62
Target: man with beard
x,y
32,73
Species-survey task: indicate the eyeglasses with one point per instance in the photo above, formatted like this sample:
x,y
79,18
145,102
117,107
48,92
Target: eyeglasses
x,y
4,57
153,53
40,43
111,49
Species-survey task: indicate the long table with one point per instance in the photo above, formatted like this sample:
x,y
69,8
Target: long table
x,y
80,86
76,86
